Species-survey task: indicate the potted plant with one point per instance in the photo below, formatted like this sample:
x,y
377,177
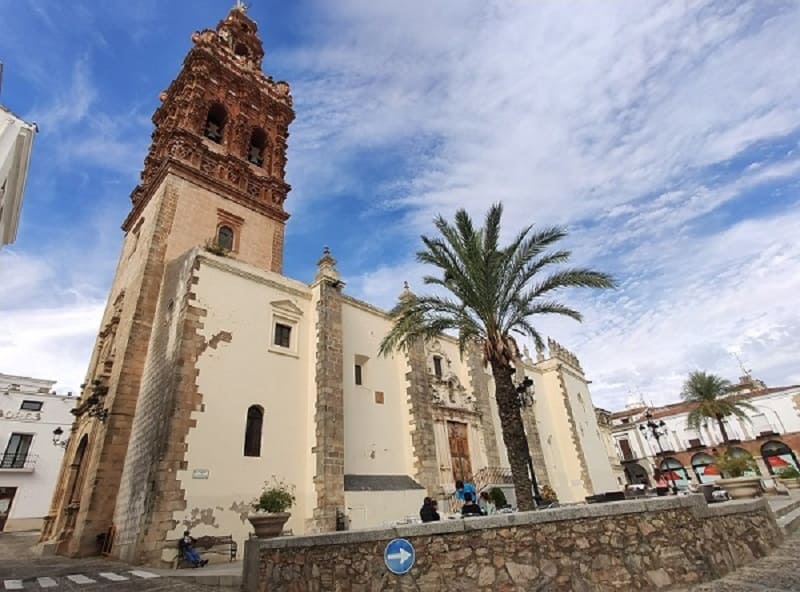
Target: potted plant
x,y
733,467
790,477
270,509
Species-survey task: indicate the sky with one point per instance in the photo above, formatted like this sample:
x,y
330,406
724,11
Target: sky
x,y
665,136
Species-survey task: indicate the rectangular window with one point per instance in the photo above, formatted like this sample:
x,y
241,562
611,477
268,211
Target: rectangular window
x,y
358,374
283,335
437,366
31,406
16,451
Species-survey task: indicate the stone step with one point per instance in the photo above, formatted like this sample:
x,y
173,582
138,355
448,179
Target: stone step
x,y
787,508
790,522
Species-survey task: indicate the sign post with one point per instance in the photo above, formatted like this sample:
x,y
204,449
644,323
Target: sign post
x,y
399,556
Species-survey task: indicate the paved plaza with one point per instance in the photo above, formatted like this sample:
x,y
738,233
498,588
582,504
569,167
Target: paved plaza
x,y
20,569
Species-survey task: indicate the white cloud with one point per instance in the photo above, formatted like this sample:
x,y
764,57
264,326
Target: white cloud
x,y
619,120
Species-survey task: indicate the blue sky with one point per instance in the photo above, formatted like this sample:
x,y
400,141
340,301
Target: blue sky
x,y
665,136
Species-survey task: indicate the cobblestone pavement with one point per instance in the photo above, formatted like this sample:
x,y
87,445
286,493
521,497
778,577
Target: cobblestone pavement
x,y
779,572
20,569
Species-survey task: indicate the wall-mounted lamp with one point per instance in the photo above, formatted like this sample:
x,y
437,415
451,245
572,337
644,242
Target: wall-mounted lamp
x,y
57,441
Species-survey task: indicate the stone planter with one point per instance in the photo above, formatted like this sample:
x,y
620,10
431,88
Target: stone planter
x,y
267,526
793,483
741,487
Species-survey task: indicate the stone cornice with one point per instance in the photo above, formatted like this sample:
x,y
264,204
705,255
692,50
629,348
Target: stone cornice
x,y
188,173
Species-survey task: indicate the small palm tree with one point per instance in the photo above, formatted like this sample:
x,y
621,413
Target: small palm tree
x,y
491,291
712,397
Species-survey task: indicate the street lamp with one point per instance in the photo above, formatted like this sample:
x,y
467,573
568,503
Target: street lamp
x,y
525,399
657,430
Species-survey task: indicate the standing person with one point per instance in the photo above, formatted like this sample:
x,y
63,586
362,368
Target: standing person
x,y
186,547
470,508
428,512
486,505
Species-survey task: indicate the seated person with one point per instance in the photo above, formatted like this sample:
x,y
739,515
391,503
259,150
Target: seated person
x,y
186,547
428,511
470,508
464,488
486,504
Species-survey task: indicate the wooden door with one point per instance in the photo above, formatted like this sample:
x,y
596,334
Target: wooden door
x,y
6,498
459,451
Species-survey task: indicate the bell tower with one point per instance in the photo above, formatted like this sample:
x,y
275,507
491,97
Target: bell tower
x,y
213,176
222,127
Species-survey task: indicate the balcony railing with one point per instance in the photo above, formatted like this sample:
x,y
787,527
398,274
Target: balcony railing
x,y
14,460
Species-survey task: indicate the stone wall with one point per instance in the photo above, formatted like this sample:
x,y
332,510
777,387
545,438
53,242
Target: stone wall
x,y
655,544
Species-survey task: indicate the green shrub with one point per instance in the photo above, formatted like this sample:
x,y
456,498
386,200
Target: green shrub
x,y
789,473
275,497
733,466
498,497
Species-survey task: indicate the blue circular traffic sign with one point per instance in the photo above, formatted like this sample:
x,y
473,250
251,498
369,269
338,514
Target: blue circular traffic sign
x,y
399,556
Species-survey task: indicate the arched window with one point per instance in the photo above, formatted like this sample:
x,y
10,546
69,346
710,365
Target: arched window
x,y
255,151
674,473
252,433
225,238
241,50
778,456
704,468
215,123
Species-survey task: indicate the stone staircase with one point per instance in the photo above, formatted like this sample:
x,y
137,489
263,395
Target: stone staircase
x,y
787,512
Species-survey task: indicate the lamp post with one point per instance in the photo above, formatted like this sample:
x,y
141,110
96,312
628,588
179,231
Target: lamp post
x,y
525,399
657,430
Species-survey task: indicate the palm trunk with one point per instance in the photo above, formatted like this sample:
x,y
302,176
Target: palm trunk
x,y
513,433
722,431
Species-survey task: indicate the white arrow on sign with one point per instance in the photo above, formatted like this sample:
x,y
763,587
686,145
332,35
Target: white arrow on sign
x,y
402,555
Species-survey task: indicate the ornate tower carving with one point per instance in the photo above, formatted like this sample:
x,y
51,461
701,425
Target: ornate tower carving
x,y
223,124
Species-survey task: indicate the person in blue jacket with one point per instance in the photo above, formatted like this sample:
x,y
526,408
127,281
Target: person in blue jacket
x,y
462,488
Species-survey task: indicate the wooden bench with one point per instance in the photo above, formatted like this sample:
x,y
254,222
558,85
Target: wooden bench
x,y
222,545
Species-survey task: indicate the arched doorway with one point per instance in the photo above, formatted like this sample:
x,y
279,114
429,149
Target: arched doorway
x,y
778,456
704,468
78,471
636,475
674,472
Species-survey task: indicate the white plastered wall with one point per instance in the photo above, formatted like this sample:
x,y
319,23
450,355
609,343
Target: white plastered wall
x,y
235,375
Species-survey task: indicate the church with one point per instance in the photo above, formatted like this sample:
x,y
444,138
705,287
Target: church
x,y
214,373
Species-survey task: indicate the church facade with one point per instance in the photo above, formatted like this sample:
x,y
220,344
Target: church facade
x,y
214,373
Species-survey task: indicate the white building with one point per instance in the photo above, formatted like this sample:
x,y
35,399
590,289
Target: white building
x,y
30,462
214,372
771,435
16,141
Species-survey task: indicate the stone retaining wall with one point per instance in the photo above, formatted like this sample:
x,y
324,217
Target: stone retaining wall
x,y
651,544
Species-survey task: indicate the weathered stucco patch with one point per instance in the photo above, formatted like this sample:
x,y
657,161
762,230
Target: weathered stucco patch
x,y
199,516
241,508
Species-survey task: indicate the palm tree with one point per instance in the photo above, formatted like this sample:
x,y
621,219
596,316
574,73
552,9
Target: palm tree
x,y
490,292
712,397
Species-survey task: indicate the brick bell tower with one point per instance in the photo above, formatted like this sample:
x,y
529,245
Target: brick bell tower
x,y
214,175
